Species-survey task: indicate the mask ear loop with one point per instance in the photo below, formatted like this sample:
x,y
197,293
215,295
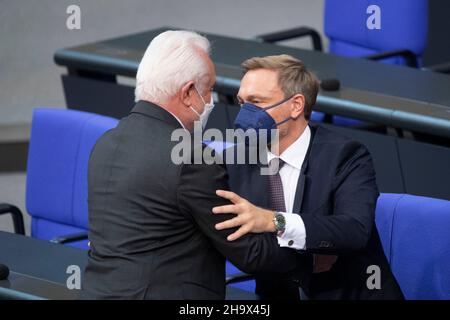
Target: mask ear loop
x,y
281,122
203,100
277,104
198,92
195,111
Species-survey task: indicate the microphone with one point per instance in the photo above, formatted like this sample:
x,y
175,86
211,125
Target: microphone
x,y
4,272
330,84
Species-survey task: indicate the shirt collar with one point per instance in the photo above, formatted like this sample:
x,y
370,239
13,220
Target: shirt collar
x,y
295,154
181,123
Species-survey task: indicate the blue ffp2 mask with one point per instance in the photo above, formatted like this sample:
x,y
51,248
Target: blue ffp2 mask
x,y
253,117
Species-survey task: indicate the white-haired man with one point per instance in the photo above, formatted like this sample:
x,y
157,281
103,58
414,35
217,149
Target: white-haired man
x,y
151,227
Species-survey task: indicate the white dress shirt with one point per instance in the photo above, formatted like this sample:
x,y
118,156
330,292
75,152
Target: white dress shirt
x,y
294,235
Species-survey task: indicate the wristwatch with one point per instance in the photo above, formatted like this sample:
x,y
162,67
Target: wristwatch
x,y
280,223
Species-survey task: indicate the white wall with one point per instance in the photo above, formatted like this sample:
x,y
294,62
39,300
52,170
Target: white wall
x,y
31,31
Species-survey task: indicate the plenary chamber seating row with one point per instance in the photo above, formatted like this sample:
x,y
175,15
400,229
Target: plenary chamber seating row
x,y
413,229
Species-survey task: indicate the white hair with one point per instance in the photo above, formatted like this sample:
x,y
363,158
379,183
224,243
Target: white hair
x,y
170,61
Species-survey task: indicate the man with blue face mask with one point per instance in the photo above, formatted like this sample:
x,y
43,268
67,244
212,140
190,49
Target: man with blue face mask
x,y
320,199
258,118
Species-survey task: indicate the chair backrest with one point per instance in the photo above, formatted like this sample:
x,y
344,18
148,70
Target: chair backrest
x,y
60,145
415,233
404,25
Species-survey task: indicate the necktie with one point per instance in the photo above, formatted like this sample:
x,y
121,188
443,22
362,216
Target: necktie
x,y
322,263
276,287
276,194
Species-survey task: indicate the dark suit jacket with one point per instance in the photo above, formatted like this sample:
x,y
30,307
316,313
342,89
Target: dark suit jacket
x,y
150,221
336,196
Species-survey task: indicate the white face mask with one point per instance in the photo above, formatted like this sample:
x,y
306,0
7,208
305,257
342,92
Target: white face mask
x,y
208,108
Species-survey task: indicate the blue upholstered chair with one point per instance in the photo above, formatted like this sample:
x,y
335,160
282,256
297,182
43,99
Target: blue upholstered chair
x,y
404,27
317,116
60,146
236,278
401,39
415,235
56,190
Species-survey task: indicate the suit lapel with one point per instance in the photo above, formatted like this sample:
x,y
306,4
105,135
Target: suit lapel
x,y
261,192
298,201
303,180
257,186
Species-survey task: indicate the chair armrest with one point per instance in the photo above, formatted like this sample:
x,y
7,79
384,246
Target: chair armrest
x,y
238,277
293,33
17,217
410,57
70,238
442,67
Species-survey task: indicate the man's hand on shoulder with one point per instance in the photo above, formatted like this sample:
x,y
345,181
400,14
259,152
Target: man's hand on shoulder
x,y
249,218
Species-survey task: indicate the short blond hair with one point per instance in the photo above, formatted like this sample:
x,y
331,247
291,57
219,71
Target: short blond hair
x,y
293,77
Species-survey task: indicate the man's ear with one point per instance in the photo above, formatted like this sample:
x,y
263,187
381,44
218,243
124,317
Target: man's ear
x,y
298,105
186,93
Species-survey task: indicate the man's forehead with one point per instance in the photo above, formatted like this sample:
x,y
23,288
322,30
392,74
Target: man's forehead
x,y
261,76
259,82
